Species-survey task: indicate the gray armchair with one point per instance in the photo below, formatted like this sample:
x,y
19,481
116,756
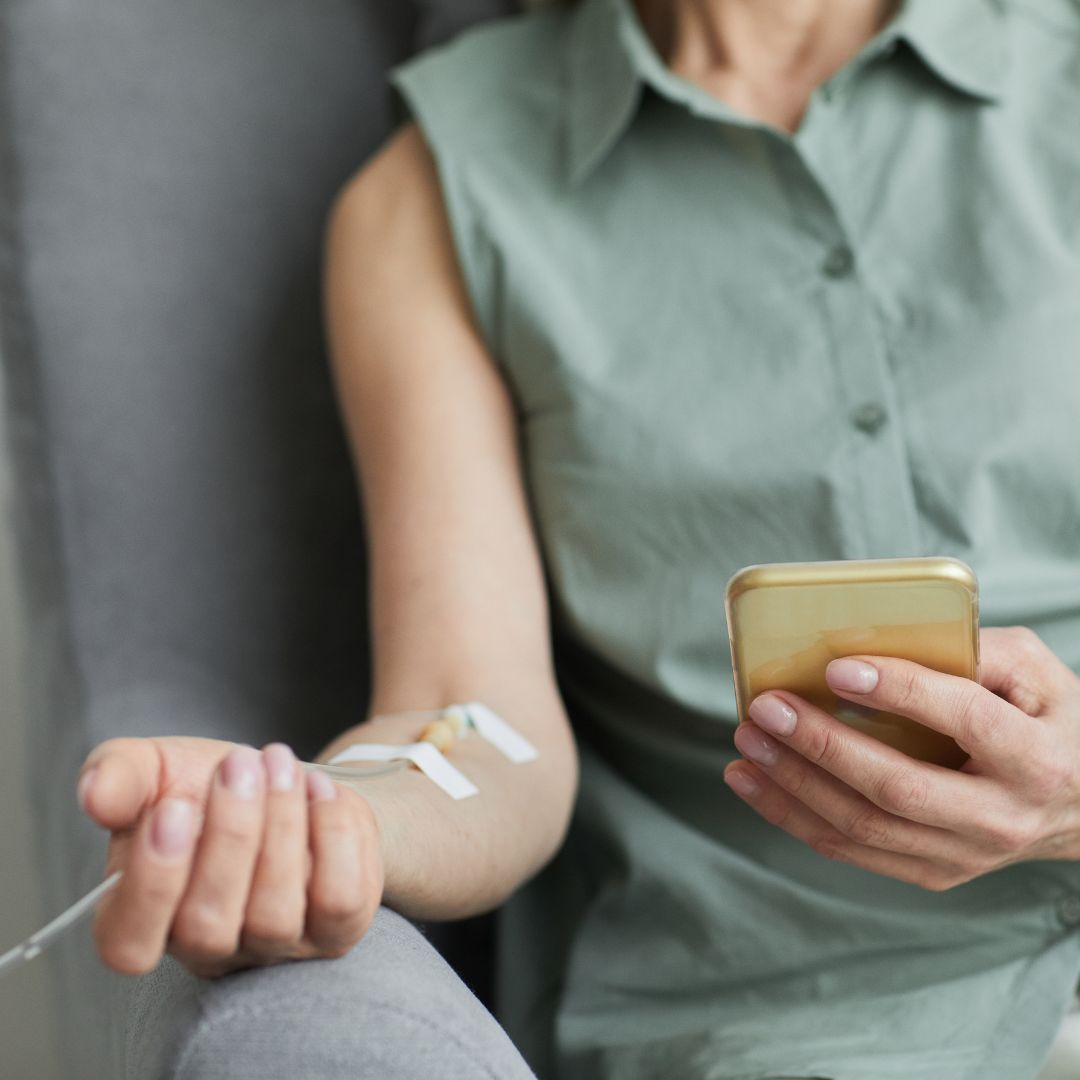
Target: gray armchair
x,y
187,525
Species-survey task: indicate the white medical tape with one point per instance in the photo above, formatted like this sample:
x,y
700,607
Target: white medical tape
x,y
423,755
492,727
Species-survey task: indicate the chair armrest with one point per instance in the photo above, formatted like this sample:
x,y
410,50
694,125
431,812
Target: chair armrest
x,y
391,1008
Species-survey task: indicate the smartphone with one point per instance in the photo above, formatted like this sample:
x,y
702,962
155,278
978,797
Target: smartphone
x,y
786,621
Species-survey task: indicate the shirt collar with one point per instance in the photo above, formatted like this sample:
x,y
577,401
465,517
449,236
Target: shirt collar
x,y
964,42
611,60
604,82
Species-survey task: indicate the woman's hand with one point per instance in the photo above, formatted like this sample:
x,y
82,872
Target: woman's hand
x,y
852,798
232,858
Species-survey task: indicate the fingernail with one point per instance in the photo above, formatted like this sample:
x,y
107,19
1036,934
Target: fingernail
x,y
242,772
173,827
280,765
86,781
770,713
755,745
740,782
320,787
855,676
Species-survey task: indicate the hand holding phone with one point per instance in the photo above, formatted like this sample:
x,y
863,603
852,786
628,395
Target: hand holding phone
x,y
786,621
861,799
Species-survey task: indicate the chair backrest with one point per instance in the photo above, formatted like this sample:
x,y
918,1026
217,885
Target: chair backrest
x,y
188,532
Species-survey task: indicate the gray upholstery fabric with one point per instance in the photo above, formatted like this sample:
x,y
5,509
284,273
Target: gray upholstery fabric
x,y
390,1010
189,538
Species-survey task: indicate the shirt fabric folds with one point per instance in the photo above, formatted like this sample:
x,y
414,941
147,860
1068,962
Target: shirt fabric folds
x,y
730,345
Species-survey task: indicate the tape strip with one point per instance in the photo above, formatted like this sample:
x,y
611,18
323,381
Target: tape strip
x,y
492,727
423,755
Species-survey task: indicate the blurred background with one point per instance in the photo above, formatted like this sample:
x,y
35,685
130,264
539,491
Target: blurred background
x,y
26,1025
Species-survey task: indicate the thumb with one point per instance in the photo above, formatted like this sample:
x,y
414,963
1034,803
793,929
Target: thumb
x,y
118,781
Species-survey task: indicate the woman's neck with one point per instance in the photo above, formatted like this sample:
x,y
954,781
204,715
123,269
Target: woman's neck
x,y
763,57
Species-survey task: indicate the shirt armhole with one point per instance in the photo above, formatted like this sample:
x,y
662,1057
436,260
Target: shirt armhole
x,y
418,99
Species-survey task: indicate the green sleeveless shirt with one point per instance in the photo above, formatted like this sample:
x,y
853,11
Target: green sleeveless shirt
x,y
727,345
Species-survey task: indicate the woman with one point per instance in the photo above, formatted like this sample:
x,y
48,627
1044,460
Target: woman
x,y
647,293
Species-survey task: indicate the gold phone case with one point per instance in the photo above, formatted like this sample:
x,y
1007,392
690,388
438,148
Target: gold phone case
x,y
786,621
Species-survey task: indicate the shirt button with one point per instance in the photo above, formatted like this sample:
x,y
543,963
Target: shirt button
x,y
1068,909
869,417
839,262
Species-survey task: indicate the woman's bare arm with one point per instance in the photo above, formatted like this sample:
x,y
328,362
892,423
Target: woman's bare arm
x,y
230,857
458,606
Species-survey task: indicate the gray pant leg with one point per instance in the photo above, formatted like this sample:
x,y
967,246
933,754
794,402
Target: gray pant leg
x,y
392,1009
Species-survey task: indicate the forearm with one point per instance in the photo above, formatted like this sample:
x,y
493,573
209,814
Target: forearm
x,y
458,597
446,858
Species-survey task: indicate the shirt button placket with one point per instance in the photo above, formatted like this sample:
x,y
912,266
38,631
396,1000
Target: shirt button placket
x,y
886,512
877,515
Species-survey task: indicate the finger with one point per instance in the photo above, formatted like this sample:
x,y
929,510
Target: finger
x,y
132,923
983,724
1016,664
274,918
118,781
898,784
850,812
337,912
209,919
779,808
